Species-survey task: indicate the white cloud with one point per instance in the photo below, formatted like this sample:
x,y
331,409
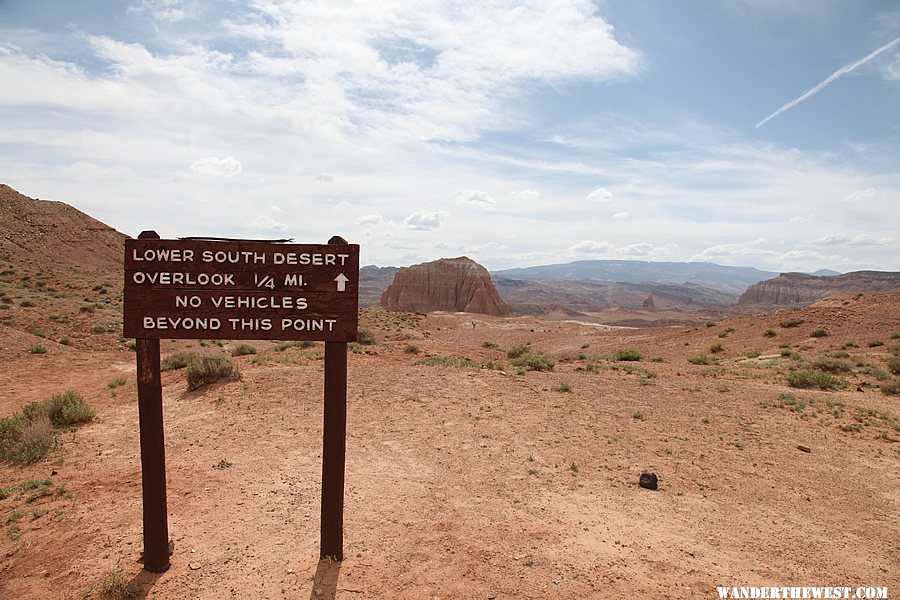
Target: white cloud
x,y
324,177
846,240
859,195
275,209
266,222
526,195
646,249
171,11
592,247
600,195
749,248
370,220
475,199
425,221
217,167
620,216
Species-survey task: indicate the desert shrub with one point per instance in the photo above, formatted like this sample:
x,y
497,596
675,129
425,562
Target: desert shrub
x,y
716,348
68,408
628,355
411,349
179,360
116,587
243,350
875,343
822,380
819,333
893,364
701,359
26,304
37,349
879,374
788,323
493,365
365,336
115,382
562,386
24,440
534,362
489,345
753,354
208,369
519,350
891,388
65,341
459,362
786,352
895,335
770,333
832,365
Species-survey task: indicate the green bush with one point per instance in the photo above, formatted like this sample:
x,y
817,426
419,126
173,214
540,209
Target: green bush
x,y
891,388
832,365
459,362
411,349
716,348
770,333
562,386
788,323
518,351
26,441
243,350
365,336
534,362
209,369
701,359
893,364
37,349
875,343
628,355
67,409
814,379
179,360
819,333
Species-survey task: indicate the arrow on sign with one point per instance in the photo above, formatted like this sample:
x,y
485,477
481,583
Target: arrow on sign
x,y
341,282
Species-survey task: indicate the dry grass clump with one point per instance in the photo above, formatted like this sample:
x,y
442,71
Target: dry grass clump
x,y
28,437
208,369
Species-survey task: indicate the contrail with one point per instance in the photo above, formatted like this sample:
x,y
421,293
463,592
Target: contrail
x,y
840,72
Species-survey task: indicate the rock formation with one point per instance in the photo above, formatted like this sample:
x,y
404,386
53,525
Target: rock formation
x,y
649,304
451,284
797,288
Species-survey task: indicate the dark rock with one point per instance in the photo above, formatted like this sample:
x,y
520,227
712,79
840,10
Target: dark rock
x,y
649,481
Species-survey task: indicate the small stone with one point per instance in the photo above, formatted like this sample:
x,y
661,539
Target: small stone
x,y
803,448
649,481
194,566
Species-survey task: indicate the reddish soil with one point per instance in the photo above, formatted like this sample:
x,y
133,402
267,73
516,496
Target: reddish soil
x,y
481,483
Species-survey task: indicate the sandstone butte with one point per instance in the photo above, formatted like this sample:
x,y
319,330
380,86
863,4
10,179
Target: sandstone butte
x,y
450,284
798,288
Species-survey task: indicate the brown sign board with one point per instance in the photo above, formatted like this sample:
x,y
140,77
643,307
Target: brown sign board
x,y
204,289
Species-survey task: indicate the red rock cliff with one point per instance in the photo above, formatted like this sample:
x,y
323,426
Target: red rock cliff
x,y
452,284
797,288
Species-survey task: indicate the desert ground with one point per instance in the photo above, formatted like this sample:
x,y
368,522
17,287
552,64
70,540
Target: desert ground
x,y
479,478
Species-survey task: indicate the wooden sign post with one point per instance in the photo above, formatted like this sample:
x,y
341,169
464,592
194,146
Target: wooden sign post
x,y
239,289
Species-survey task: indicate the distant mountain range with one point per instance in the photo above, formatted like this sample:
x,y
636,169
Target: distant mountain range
x,y
733,280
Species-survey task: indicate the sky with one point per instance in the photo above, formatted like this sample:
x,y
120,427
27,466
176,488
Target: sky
x,y
761,133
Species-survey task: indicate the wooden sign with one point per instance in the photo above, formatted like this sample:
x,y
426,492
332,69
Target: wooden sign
x,y
234,289
205,289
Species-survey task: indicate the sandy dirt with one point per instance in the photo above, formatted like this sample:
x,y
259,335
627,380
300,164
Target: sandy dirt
x,y
478,482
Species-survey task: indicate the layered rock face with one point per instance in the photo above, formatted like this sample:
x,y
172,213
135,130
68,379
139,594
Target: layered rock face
x,y
451,284
797,288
